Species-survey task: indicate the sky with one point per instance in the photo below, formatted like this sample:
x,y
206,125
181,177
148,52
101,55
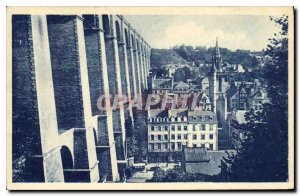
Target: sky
x,y
250,32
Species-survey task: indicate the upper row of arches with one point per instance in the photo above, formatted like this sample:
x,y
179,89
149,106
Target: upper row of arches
x,y
129,38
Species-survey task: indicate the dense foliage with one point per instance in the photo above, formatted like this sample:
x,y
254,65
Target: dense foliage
x,y
175,175
263,156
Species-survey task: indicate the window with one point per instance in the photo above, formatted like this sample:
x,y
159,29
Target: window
x,y
173,146
203,118
173,136
152,137
203,137
185,136
166,137
178,146
159,137
211,127
194,127
173,127
158,128
151,146
194,118
179,137
166,128
194,145
185,128
179,127
211,146
203,127
202,145
165,146
194,136
159,146
211,118
152,128
211,136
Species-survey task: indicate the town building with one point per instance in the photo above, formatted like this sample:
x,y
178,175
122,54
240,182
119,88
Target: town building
x,y
170,130
162,85
246,95
181,89
202,161
257,99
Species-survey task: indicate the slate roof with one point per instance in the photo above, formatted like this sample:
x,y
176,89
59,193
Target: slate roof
x,y
195,154
181,85
211,167
201,113
160,83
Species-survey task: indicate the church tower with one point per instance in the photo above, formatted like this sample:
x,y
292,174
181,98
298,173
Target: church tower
x,y
216,90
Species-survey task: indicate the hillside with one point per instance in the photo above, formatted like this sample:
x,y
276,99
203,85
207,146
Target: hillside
x,y
161,57
188,54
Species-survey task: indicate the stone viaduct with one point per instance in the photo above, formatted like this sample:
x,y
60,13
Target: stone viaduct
x,y
61,65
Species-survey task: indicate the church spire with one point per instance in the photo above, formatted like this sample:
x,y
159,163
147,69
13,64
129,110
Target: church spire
x,y
216,58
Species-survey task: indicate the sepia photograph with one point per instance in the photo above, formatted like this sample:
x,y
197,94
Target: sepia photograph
x,y
150,98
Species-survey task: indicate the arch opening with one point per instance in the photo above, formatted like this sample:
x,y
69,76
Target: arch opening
x,y
126,37
66,157
118,32
132,41
95,136
106,26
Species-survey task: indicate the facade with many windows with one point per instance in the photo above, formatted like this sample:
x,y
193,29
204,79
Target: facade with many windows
x,y
170,130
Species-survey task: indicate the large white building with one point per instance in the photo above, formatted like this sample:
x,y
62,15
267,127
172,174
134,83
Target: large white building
x,y
170,130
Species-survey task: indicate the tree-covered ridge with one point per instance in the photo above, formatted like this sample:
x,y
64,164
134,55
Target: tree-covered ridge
x,y
202,55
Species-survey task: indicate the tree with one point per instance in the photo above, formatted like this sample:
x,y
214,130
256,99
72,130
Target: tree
x,y
263,155
175,175
132,146
158,175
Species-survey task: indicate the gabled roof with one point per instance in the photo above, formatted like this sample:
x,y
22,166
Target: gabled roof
x,y
259,94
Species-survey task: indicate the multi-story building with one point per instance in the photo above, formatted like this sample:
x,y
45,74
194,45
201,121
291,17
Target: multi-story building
x,y
170,130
